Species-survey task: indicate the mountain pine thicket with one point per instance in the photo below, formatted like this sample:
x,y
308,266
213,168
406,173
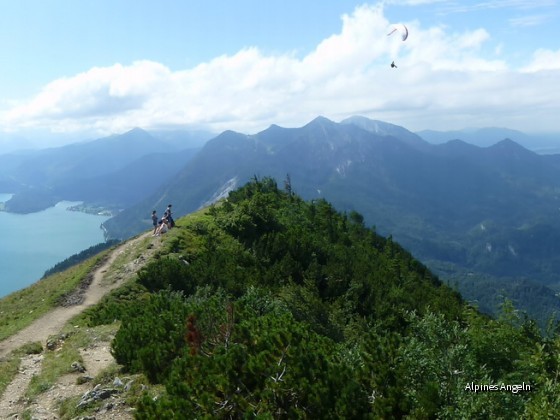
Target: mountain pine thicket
x,y
266,305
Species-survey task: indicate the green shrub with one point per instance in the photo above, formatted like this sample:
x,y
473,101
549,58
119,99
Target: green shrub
x,y
165,273
152,335
270,366
267,306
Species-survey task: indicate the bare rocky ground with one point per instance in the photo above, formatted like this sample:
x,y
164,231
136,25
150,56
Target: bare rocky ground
x,y
96,357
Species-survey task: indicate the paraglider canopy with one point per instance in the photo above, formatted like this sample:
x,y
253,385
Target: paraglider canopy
x,y
401,29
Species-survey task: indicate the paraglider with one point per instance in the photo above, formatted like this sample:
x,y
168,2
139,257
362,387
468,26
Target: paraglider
x,y
403,30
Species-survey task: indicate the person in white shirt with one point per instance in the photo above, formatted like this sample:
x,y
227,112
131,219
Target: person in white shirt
x,y
162,228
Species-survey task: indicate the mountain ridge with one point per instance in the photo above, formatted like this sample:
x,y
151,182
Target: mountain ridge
x,y
286,307
428,197
92,171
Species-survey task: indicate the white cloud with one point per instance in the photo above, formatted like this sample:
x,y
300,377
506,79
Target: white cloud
x,y
413,2
529,20
95,94
471,6
442,82
544,60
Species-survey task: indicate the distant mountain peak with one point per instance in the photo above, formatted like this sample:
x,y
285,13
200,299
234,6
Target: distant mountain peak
x,y
482,137
375,126
228,139
511,149
136,135
319,121
508,144
459,144
386,129
136,130
457,148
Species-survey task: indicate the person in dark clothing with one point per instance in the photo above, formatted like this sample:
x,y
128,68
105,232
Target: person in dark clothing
x,y
154,221
170,221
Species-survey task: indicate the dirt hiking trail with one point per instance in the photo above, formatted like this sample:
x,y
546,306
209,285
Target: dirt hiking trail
x,y
95,358
52,322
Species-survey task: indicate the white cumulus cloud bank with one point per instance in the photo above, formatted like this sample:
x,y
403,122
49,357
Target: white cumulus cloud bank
x,y
443,81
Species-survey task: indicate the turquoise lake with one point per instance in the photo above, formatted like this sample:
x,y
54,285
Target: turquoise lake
x,y
32,243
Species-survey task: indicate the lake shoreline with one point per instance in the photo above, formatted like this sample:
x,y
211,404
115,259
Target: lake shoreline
x,y
33,243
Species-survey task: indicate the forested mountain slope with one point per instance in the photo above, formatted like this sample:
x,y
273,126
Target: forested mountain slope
x,y
267,305
486,218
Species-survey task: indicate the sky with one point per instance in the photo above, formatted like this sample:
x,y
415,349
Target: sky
x,y
97,67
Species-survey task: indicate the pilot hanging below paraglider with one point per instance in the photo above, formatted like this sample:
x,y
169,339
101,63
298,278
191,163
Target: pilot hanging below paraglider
x,y
404,35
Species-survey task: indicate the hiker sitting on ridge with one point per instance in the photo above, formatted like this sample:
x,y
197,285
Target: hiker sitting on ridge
x,y
162,228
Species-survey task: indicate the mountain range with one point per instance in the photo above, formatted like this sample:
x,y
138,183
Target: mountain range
x,y
484,218
113,172
546,143
489,213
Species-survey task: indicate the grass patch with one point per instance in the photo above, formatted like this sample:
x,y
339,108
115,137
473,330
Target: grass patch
x,y
59,362
30,348
55,364
141,388
126,256
112,306
21,308
9,365
190,236
134,388
68,408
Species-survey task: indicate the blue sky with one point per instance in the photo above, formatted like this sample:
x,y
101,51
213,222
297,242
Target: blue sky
x,y
100,67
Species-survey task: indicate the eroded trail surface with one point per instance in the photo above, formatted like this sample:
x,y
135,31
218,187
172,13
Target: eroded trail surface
x,y
52,322
11,402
